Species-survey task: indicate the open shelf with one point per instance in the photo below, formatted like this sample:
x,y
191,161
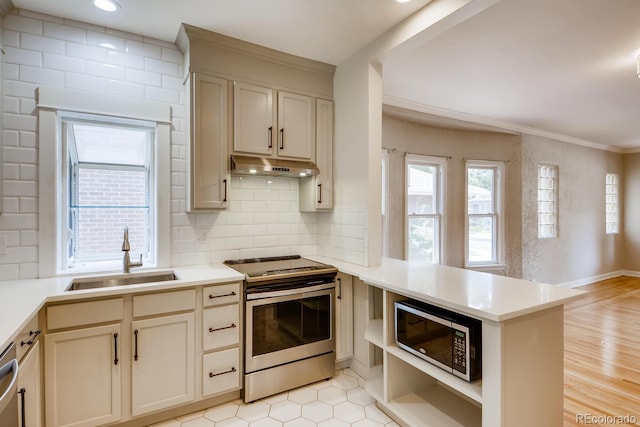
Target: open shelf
x,y
373,333
471,390
375,384
435,407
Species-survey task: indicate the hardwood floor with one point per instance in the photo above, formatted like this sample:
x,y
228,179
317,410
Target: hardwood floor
x,y
602,355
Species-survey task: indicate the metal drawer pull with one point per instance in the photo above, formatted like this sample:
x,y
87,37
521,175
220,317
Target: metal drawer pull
x,y
319,193
115,349
232,294
211,374
135,353
33,335
282,139
270,137
233,325
22,392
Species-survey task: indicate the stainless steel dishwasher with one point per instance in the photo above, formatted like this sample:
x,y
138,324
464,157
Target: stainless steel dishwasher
x,y
8,387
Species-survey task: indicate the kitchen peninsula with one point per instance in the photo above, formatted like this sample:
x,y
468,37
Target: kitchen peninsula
x,y
522,324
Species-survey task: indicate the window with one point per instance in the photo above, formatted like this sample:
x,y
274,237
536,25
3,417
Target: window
x,y
424,202
611,204
484,213
108,170
547,201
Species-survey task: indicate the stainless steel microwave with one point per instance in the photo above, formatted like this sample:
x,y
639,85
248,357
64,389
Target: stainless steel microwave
x,y
449,340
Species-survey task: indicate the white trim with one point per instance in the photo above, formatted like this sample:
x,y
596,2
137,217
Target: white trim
x,y
597,278
55,98
50,101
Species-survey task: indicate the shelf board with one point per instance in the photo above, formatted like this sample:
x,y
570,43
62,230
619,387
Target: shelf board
x,y
471,390
436,407
373,333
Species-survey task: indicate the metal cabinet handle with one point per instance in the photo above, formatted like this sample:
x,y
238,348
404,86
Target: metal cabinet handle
x,y
231,326
282,139
339,288
224,181
23,411
135,345
270,137
211,374
222,296
319,193
33,335
115,349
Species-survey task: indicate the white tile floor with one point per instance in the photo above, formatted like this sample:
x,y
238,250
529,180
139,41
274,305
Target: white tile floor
x,y
340,402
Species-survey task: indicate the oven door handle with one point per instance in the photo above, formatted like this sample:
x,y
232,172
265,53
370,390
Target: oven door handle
x,y
291,293
7,395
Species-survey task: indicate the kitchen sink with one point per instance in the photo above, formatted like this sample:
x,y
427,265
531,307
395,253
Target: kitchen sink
x,y
121,280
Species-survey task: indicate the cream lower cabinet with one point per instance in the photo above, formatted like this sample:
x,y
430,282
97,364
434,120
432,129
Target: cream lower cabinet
x,y
83,377
30,400
163,362
344,317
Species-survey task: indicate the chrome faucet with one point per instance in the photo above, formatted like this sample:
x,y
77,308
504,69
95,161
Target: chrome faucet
x,y
126,261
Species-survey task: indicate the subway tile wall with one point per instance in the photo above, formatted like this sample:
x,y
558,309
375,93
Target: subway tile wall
x,y
263,217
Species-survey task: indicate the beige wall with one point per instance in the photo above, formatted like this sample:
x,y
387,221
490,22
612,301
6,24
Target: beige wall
x,y
582,249
407,137
631,211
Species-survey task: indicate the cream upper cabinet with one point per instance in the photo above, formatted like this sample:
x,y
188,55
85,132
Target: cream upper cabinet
x,y
272,123
253,131
83,377
295,126
208,150
316,192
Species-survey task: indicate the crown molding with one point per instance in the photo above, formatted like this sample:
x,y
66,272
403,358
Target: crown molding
x,y
497,125
5,7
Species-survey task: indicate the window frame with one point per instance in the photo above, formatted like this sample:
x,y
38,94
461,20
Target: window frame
x,y
439,215
52,100
497,215
70,188
554,213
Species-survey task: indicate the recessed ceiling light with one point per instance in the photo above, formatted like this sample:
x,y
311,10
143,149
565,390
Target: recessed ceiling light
x,y
403,1
106,5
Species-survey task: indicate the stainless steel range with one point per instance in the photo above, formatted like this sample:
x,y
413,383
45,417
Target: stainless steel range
x,y
289,323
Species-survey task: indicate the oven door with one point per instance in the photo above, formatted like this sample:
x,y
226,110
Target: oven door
x,y
286,328
8,388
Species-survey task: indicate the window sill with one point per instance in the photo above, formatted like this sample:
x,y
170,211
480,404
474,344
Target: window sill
x,y
102,267
500,269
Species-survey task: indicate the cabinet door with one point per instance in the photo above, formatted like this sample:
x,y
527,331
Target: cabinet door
x,y
30,400
253,131
83,377
209,152
316,192
344,316
295,126
163,372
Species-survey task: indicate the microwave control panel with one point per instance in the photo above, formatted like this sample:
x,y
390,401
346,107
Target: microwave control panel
x,y
460,351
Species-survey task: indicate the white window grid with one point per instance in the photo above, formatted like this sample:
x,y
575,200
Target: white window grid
x,y
611,204
547,201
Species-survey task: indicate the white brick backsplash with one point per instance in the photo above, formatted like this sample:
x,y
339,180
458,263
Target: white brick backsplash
x,y
144,49
125,59
22,57
10,38
83,51
22,24
20,188
28,139
28,172
85,82
105,40
63,63
11,172
10,271
11,138
18,222
132,90
28,270
113,72
19,121
161,67
28,238
39,16
65,32
164,95
15,88
28,205
27,106
11,204
11,71
175,83
41,44
172,55
41,76
11,104
143,77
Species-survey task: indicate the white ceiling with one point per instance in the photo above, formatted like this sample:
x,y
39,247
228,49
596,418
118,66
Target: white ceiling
x,y
562,68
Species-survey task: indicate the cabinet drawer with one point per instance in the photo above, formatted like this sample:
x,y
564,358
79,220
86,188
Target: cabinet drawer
x,y
166,302
220,327
221,371
84,313
27,338
220,294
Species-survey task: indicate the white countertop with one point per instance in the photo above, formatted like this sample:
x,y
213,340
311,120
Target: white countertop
x,y
21,299
477,294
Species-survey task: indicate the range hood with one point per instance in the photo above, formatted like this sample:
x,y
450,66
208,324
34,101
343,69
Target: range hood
x,y
248,165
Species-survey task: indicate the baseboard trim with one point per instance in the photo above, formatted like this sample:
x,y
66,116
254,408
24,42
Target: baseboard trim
x,y
598,278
